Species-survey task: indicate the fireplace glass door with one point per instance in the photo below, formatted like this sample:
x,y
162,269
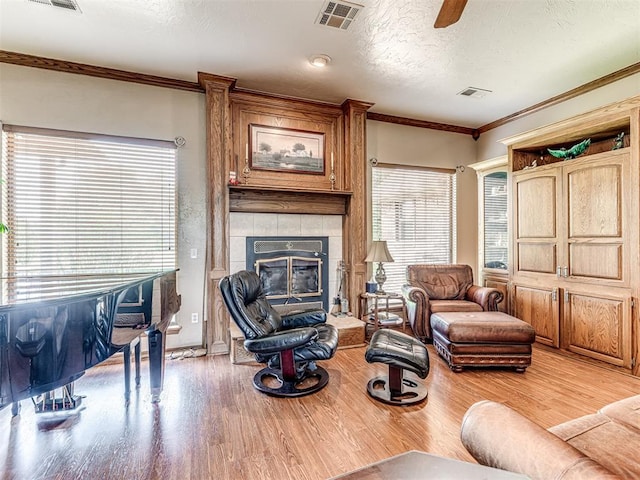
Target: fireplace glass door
x,y
290,277
274,275
293,270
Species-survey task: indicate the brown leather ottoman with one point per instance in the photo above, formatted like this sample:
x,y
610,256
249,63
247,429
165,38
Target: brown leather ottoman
x,y
482,339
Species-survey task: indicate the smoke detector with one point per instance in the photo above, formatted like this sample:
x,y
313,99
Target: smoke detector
x,y
474,92
338,14
66,4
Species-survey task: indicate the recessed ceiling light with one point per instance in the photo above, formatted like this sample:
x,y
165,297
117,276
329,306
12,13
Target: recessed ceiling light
x,y
320,60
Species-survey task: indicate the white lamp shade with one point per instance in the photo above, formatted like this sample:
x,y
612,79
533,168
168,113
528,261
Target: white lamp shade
x,y
379,252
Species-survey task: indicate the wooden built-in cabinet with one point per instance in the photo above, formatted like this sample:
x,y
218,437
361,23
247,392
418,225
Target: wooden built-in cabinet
x,y
571,219
574,236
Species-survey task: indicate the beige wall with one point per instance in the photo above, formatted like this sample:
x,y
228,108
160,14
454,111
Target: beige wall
x,y
489,144
391,143
42,98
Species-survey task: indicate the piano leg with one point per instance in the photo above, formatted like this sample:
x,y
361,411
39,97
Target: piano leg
x,y
127,373
137,358
127,367
15,408
156,363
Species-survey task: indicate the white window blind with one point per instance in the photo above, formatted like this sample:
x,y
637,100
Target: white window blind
x,y
495,221
84,211
414,210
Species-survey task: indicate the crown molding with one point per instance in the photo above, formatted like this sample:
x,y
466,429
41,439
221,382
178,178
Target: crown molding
x,y
581,90
380,117
95,71
123,75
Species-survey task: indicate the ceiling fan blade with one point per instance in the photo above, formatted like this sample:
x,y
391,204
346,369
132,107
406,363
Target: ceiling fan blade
x,y
449,13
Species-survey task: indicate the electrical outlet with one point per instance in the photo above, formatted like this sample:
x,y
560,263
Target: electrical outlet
x,y
194,318
194,253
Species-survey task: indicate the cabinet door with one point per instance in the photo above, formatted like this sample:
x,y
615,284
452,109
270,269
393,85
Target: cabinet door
x,y
539,307
598,325
536,210
595,209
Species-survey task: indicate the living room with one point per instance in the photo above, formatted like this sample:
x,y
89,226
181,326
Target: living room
x,y
62,100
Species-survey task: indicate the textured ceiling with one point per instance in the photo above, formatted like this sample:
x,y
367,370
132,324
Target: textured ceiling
x,y
524,51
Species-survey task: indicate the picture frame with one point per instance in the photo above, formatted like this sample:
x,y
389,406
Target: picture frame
x,y
286,150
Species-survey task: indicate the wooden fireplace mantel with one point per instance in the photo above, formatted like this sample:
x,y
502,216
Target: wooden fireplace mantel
x,y
255,199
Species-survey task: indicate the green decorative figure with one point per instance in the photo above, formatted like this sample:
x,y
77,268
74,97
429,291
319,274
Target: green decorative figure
x,y
573,152
618,142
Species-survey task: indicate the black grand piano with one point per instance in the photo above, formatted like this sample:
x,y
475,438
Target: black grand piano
x,y
47,345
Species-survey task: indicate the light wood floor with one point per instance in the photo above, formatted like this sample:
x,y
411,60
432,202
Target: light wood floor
x,y
212,424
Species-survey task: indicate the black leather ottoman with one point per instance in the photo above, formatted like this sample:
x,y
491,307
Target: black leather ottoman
x,y
401,352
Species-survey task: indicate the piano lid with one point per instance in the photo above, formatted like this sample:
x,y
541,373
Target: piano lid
x,y
78,287
46,344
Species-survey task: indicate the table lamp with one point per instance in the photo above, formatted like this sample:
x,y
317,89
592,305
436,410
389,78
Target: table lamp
x,y
379,253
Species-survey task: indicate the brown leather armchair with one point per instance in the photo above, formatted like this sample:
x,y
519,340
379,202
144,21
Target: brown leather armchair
x,y
444,288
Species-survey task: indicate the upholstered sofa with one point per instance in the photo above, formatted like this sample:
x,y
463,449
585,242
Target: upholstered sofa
x,y
443,288
602,445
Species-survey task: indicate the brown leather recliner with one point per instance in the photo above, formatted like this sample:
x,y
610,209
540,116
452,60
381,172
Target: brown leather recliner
x,y
444,288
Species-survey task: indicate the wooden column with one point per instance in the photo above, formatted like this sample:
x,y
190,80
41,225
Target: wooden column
x,y
634,253
218,126
354,223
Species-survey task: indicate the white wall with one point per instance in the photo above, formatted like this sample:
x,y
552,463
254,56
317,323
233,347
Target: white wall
x,y
42,98
399,144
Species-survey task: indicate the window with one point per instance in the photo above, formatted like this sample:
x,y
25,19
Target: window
x,y
495,221
84,211
414,210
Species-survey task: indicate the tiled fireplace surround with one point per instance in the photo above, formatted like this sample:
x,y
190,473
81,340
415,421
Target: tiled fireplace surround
x,y
243,225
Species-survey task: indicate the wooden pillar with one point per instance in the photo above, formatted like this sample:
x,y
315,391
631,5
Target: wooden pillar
x,y
354,223
634,250
218,124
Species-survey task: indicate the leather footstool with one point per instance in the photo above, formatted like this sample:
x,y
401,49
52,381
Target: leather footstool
x,y
401,352
482,339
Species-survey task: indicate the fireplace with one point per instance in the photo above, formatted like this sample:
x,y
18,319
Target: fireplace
x,y
293,270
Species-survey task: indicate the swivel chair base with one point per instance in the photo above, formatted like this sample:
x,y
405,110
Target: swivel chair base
x,y
394,389
400,352
310,382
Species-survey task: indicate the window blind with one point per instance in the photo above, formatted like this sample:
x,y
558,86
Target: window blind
x,y
495,221
414,210
84,211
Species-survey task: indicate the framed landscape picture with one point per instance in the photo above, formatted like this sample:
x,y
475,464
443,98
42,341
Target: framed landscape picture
x,y
286,150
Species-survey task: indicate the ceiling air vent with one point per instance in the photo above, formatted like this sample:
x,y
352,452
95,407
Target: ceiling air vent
x,y
338,14
67,4
474,92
